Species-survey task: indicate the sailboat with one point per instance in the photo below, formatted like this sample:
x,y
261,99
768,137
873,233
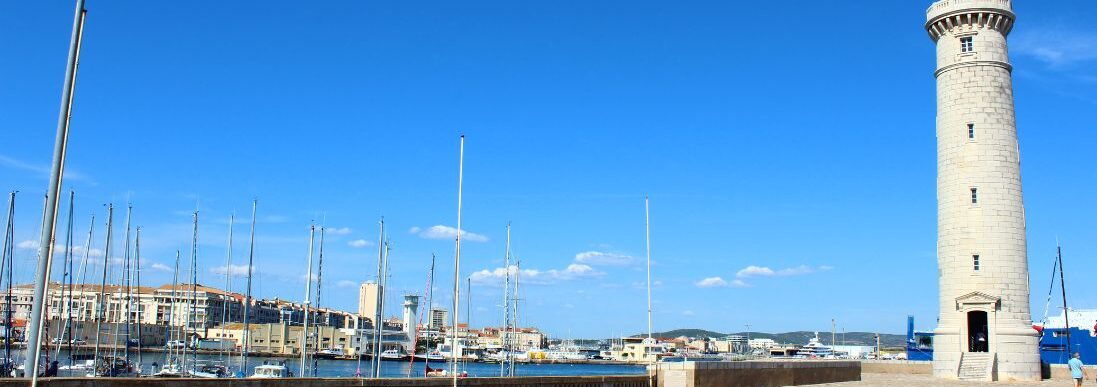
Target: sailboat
x,y
247,297
79,360
114,365
7,365
429,355
171,367
1070,332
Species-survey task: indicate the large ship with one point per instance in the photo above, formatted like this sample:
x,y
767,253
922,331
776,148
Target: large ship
x,y
1082,336
1053,337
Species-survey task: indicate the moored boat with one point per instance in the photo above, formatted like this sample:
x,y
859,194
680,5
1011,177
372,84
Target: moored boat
x,y
270,371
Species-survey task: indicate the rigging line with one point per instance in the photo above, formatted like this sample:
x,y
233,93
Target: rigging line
x,y
1051,288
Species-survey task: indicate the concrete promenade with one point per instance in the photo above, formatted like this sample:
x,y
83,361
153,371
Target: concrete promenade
x,y
925,380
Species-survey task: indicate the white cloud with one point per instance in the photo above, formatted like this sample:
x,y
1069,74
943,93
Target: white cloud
x,y
798,270
233,270
762,271
338,230
359,243
579,270
534,276
58,249
447,232
414,230
1056,46
346,284
41,170
603,259
754,271
711,282
161,267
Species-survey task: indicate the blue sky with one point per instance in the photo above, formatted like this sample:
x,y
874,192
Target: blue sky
x,y
788,151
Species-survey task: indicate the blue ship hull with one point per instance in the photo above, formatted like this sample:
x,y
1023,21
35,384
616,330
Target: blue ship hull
x,y
1053,344
1054,341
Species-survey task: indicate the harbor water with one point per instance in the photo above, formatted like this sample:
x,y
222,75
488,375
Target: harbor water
x,y
337,368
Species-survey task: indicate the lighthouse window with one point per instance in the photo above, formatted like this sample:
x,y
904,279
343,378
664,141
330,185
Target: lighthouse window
x,y
967,44
975,262
971,131
974,196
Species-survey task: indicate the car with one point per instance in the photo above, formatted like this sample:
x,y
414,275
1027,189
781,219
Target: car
x,y
176,344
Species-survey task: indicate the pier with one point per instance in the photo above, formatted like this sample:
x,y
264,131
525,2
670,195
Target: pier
x,y
531,381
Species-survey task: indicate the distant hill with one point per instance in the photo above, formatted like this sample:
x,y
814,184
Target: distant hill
x,y
800,337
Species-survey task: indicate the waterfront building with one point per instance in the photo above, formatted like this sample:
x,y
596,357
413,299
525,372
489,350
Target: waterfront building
x,y
522,339
438,318
762,343
639,349
854,351
202,306
110,333
281,338
984,328
730,344
367,300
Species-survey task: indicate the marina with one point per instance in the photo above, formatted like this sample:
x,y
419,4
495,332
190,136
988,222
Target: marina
x,y
332,286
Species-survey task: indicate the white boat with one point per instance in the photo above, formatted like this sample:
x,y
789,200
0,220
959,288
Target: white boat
x,y
270,371
210,371
815,349
113,367
433,356
330,353
392,354
565,352
170,370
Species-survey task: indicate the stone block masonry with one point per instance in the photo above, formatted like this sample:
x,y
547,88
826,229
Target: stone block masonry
x,y
981,237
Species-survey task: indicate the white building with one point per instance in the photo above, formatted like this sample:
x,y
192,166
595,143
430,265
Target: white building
x,y
762,343
985,329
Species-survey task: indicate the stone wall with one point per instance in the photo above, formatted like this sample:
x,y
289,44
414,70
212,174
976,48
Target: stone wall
x,y
896,367
545,381
757,373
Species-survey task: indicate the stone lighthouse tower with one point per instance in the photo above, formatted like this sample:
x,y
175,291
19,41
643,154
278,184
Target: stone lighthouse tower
x,y
984,329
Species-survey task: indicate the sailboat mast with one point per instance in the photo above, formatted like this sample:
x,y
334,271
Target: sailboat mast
x,y
308,292
319,279
382,287
125,281
228,285
247,296
137,273
415,339
377,325
506,308
171,310
83,273
49,213
103,286
647,240
457,263
192,314
64,331
320,273
430,305
514,315
5,266
1063,286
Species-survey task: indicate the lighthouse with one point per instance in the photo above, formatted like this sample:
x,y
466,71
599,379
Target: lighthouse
x,y
984,329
